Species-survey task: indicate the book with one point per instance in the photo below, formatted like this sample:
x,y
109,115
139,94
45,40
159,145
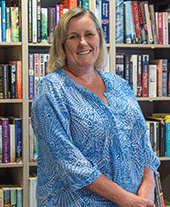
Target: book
x,y
168,79
159,189
153,23
5,196
0,143
85,4
35,149
145,75
36,71
5,140
30,21
105,19
159,23
51,22
32,191
92,5
13,197
164,77
18,78
38,21
0,26
31,75
142,29
31,142
15,24
44,25
145,40
152,80
18,136
34,21
41,66
165,29
5,81
133,59
12,81
57,13
12,142
136,21
3,20
119,21
8,24
127,67
120,64
19,197
139,75
1,80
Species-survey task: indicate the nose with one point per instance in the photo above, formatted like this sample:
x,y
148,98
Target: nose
x,y
83,41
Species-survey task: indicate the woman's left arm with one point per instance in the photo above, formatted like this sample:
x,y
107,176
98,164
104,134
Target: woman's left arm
x,y
146,189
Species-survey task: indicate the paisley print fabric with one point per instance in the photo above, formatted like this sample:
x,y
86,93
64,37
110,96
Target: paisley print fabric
x,y
80,137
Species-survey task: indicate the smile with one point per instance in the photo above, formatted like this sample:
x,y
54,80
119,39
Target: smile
x,y
84,52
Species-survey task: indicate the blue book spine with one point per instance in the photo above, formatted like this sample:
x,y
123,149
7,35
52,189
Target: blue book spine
x,y
85,4
119,21
12,82
3,19
57,13
167,138
31,75
164,77
18,131
19,198
105,19
79,3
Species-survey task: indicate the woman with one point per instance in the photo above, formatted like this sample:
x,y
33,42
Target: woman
x,y
93,146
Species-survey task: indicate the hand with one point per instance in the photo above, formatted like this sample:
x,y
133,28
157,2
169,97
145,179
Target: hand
x,y
132,200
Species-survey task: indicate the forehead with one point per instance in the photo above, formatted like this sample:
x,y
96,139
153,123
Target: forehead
x,y
82,22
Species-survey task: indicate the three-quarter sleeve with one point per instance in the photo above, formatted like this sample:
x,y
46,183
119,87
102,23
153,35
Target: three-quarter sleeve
x,y
51,124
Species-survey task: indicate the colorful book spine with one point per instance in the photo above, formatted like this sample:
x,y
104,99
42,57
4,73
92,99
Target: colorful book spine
x,y
136,21
5,81
164,77
80,3
31,142
5,140
6,197
1,144
52,22
13,197
31,75
152,80
120,64
134,71
19,197
41,66
145,76
12,143
57,13
38,21
32,191
34,21
1,80
119,21
85,4
159,20
36,71
139,75
153,23
144,22
73,3
0,26
30,21
165,28
8,24
3,20
14,24
18,135
127,67
167,134
44,25
35,149
105,19
12,81
142,29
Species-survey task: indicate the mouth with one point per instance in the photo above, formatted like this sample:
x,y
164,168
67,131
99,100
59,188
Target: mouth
x,y
84,52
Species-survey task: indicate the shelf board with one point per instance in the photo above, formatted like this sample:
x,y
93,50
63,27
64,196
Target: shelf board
x,y
12,164
7,44
32,164
164,158
39,45
152,46
11,101
153,99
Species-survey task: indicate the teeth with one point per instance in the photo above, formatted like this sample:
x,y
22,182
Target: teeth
x,y
85,52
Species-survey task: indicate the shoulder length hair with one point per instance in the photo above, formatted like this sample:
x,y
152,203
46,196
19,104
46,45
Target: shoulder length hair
x,y
57,57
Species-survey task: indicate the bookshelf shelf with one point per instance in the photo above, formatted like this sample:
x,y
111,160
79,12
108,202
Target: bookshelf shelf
x,y
10,165
11,101
8,44
164,158
39,45
33,164
150,46
153,99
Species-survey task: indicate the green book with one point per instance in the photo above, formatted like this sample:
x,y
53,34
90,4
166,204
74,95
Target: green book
x,y
44,25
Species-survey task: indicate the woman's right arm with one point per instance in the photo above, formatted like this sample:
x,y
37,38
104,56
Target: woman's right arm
x,y
113,192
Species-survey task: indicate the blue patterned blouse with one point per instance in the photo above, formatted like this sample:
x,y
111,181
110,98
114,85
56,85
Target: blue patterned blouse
x,y
80,137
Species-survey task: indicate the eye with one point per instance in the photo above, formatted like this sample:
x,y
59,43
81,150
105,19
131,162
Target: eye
x,y
72,37
89,34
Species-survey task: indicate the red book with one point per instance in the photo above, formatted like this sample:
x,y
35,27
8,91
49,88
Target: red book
x,y
52,22
136,20
18,78
159,20
145,76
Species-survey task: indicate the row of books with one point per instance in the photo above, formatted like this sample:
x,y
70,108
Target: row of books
x,y
147,78
32,189
11,196
37,64
33,144
42,21
11,80
10,23
159,196
158,129
10,139
137,22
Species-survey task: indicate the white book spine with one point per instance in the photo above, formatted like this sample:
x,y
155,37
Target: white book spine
x,y
34,21
152,80
165,28
134,60
148,21
12,143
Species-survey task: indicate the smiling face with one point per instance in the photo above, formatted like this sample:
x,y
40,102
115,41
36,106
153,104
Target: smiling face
x,y
82,43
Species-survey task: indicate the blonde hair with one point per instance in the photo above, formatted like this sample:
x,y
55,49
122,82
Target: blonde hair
x,y
57,57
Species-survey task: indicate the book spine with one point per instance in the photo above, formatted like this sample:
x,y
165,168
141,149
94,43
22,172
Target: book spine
x,y
12,81
153,23
44,25
105,19
19,198
41,66
165,28
167,134
13,197
36,71
80,3
1,160
57,12
19,80
159,16
31,75
30,21
85,4
18,135
35,149
134,82
5,141
34,21
139,75
38,21
120,64
0,25
143,37
127,68
152,80
169,26
52,23
14,24
136,21
159,80
119,21
164,77
1,81
148,22
5,81
145,74
3,20
6,198
144,21
12,143
8,24
168,79
73,3
31,142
